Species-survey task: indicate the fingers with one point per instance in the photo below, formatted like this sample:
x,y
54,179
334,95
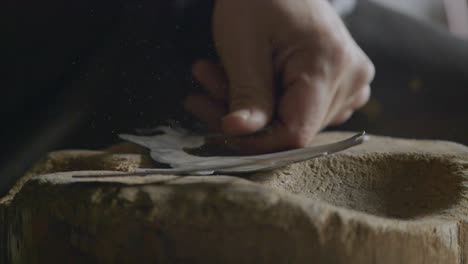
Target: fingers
x,y
303,108
301,111
206,110
344,110
211,108
326,76
341,117
276,138
361,98
212,77
309,96
245,53
353,91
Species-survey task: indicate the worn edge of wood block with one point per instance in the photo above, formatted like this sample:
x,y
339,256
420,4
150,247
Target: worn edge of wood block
x,y
448,232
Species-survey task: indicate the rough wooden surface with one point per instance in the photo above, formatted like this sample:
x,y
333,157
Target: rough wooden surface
x,y
388,201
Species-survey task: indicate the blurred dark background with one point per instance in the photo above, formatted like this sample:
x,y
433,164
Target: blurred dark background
x,y
79,73
421,84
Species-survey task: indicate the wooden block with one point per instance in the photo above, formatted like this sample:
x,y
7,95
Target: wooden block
x,y
387,201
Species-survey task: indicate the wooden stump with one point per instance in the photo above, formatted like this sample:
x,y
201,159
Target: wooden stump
x,y
387,201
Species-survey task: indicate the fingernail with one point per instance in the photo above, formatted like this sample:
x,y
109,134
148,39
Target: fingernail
x,y
242,114
258,117
252,117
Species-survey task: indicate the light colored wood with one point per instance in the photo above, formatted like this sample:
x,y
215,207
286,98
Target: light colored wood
x,y
387,201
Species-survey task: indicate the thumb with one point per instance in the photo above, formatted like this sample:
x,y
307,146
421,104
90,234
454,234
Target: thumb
x,y
245,53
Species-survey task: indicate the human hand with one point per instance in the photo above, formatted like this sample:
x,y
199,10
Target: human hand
x,y
323,75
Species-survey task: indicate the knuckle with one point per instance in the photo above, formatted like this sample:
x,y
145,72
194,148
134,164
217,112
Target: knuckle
x,y
360,77
366,96
340,54
363,97
336,49
366,72
317,82
342,118
369,69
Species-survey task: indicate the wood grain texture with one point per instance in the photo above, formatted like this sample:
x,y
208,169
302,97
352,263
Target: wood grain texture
x,y
387,201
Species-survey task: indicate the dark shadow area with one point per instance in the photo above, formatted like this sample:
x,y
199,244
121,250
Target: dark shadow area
x,y
421,84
